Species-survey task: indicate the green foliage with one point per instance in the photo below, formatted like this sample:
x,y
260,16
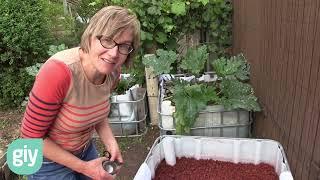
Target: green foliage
x,y
136,71
236,94
189,100
24,27
15,83
23,32
164,22
161,62
230,90
53,49
33,70
195,59
218,17
61,25
235,67
122,86
85,9
178,8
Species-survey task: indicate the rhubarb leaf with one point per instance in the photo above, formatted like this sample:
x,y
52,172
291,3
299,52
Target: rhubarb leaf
x,y
161,62
189,101
195,59
237,94
235,67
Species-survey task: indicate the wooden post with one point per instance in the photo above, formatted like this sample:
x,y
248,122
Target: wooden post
x,y
152,92
152,88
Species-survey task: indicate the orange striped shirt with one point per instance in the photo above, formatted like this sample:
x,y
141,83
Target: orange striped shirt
x,y
63,104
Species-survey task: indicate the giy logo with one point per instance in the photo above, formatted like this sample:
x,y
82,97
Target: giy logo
x,y
24,156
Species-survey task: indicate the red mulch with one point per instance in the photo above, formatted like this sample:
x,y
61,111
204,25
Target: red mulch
x,y
187,168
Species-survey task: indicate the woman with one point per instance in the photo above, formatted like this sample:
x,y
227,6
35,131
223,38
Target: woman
x,y
70,97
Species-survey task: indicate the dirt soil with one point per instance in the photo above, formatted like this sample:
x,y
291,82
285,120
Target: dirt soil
x,y
134,149
10,122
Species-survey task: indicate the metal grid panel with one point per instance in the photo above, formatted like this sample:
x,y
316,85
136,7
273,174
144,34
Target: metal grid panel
x,y
135,124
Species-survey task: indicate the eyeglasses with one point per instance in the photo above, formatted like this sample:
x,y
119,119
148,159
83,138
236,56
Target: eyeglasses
x,y
109,43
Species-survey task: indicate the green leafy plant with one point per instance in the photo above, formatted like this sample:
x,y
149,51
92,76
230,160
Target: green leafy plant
x,y
124,85
163,23
230,89
195,59
24,36
235,93
62,25
161,61
15,83
33,70
23,32
232,68
190,100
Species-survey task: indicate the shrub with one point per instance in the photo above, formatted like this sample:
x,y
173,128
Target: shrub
x,y
23,32
15,84
24,37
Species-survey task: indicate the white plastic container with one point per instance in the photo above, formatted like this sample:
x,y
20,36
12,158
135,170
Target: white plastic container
x,y
167,115
128,113
234,150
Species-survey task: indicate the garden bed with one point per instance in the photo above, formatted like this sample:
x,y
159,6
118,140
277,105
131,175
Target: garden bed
x,y
213,120
189,168
259,152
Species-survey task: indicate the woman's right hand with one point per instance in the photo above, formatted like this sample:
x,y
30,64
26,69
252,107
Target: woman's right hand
x,y
94,170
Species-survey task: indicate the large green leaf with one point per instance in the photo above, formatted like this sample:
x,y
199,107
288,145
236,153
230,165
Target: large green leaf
x,y
195,59
161,62
235,67
161,37
237,94
189,100
178,8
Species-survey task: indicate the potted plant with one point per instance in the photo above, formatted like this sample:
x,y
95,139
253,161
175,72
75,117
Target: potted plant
x,y
228,88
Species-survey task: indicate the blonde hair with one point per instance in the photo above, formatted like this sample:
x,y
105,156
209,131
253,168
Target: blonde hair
x,y
111,21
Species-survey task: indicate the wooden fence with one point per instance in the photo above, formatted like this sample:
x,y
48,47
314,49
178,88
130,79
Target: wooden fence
x,y
281,40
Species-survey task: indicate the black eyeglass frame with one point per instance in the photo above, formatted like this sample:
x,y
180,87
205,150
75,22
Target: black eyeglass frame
x,y
100,38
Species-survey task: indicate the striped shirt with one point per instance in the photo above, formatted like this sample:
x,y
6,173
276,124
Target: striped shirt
x,y
63,104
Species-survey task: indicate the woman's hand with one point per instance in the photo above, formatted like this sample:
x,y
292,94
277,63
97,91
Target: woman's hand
x,y
110,142
94,170
115,152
